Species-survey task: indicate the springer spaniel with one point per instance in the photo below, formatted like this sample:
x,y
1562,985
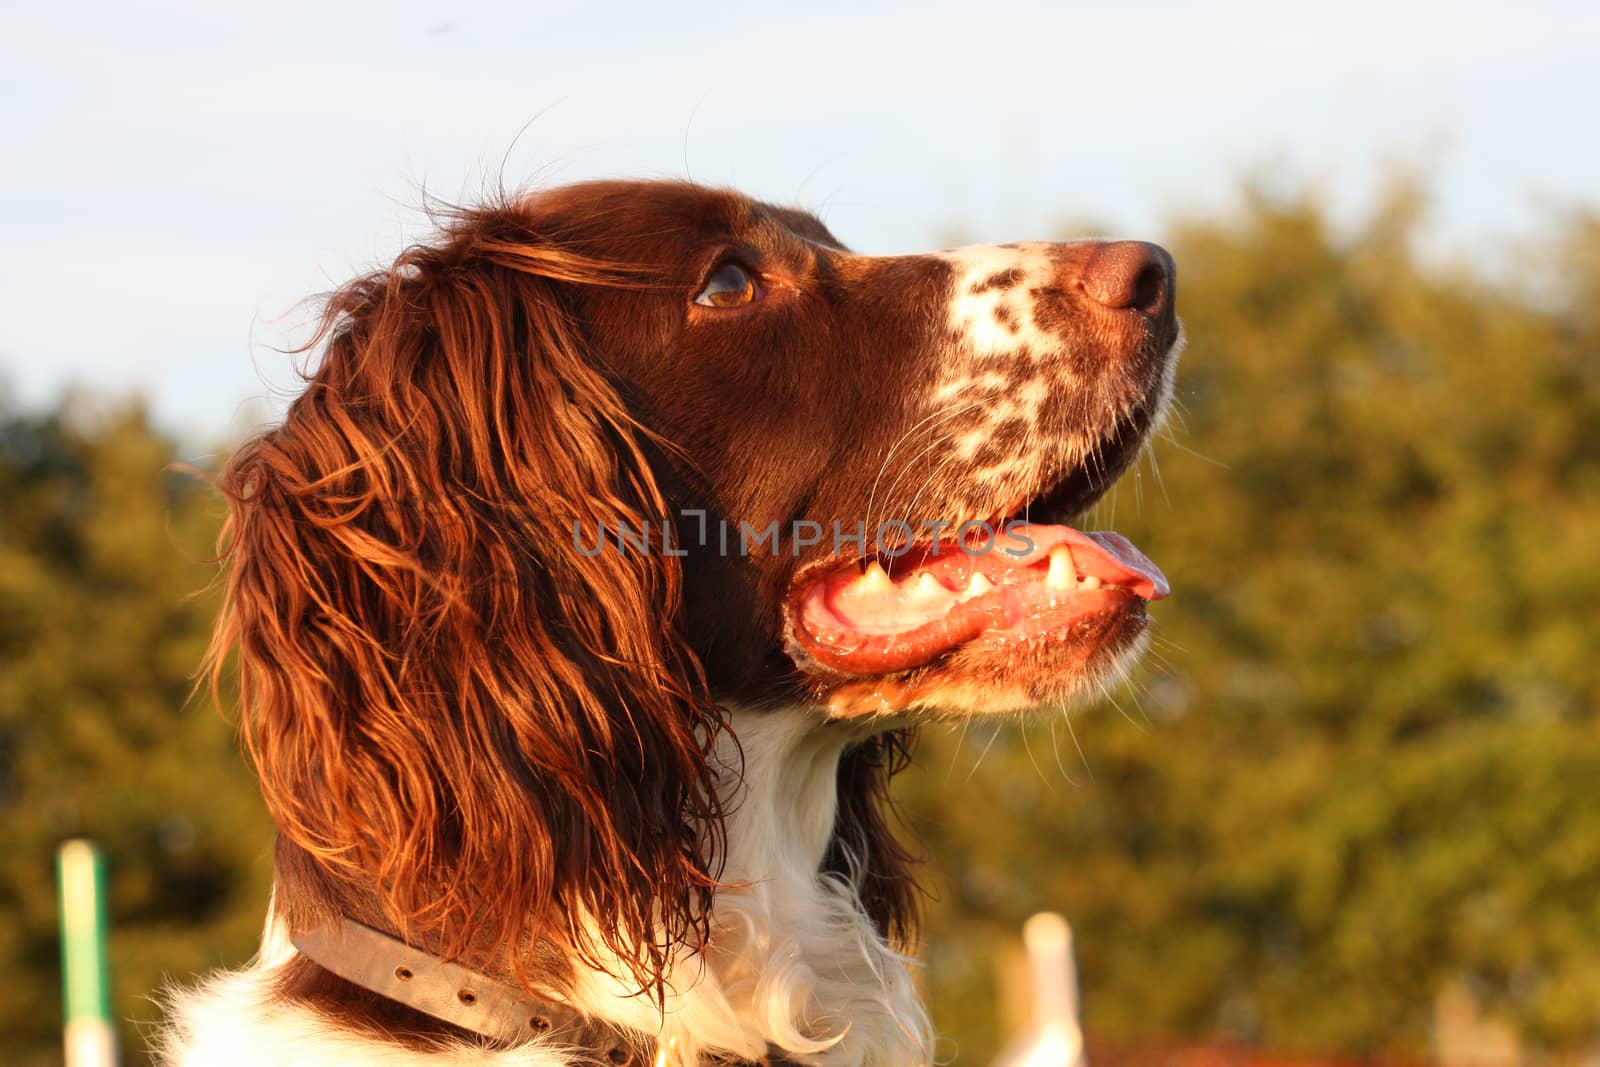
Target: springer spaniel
x,y
586,599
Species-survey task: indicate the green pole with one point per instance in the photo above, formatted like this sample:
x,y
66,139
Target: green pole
x,y
90,1037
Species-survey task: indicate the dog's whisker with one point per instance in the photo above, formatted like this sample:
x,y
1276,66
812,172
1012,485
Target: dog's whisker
x,y
1163,641
1083,758
1027,747
993,734
957,749
1149,452
1201,456
1110,698
943,414
1055,748
1130,686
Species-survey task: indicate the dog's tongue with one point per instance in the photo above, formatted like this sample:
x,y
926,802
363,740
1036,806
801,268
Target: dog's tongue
x,y
1150,584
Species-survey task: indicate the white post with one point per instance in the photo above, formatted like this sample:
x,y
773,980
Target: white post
x,y
90,1037
1053,1038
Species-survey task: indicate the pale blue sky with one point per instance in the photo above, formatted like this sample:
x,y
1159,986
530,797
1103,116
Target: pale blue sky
x,y
174,177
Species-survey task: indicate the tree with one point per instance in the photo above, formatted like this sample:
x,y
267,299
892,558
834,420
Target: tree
x,y
102,622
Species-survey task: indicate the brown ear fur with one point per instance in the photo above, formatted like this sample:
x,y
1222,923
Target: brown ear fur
x,y
472,729
865,849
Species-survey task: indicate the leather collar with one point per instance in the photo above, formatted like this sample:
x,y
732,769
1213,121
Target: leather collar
x,y
462,997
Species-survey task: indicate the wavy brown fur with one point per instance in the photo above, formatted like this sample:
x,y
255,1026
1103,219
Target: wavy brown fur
x,y
866,848
477,736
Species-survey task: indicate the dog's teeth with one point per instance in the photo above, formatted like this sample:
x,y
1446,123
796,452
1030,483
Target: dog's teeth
x,y
1089,582
1059,577
979,585
875,580
926,591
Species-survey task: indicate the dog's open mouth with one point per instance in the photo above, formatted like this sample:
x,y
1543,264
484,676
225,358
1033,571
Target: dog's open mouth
x,y
882,616
1026,577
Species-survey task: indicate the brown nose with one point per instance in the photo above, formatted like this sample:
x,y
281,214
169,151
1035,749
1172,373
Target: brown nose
x,y
1131,275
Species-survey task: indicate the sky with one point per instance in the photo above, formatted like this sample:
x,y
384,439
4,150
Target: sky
x,y
176,178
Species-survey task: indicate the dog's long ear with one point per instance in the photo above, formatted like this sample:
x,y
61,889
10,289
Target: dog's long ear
x,y
493,737
865,850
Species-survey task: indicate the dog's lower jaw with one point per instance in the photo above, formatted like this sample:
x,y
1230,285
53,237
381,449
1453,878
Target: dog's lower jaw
x,y
794,965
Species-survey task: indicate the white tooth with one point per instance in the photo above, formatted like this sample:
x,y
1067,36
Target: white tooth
x,y
875,580
926,590
978,586
1059,576
1089,582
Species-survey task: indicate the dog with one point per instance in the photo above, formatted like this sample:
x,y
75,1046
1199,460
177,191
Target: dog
x,y
588,596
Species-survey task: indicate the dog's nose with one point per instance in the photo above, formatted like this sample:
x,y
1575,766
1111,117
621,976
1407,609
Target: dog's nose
x,y
1131,275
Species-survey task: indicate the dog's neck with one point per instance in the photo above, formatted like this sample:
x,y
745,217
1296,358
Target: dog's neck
x,y
793,965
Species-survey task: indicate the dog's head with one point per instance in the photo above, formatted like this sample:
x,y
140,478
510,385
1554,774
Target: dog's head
x,y
871,459
601,456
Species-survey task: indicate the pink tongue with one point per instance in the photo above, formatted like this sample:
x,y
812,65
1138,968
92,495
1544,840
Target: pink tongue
x,y
1103,553
1154,585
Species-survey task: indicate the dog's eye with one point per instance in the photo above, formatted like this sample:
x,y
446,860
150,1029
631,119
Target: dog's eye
x,y
730,285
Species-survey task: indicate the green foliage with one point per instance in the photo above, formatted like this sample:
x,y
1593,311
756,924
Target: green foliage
x,y
1364,764
102,554
1358,770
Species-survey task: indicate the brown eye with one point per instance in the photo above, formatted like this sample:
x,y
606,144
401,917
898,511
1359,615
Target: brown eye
x,y
730,285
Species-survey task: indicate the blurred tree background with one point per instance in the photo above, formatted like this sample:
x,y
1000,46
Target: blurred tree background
x,y
1357,775
104,615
